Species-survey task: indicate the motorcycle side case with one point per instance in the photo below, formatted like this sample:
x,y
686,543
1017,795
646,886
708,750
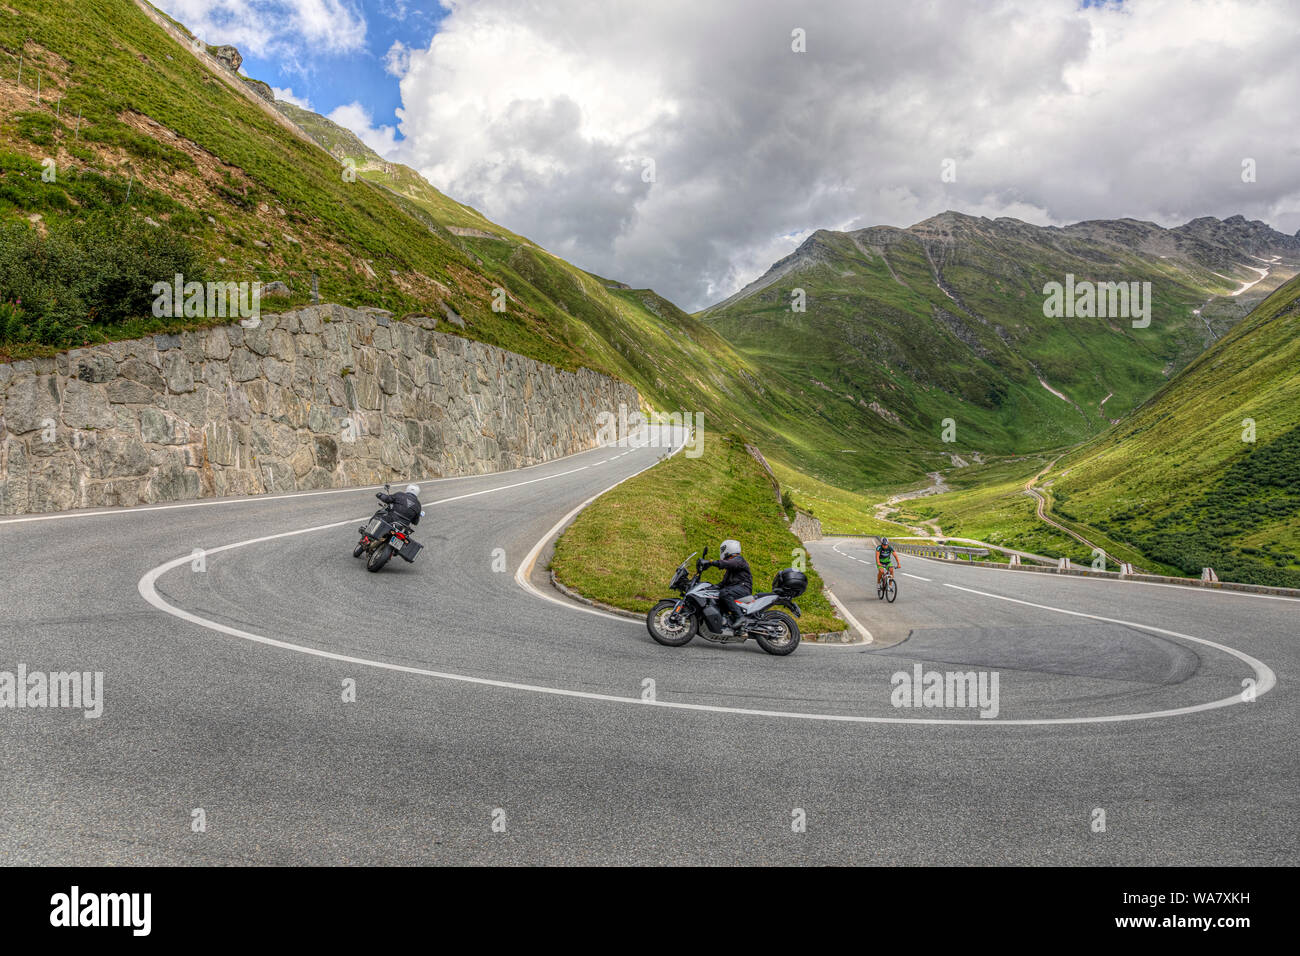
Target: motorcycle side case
x,y
410,548
376,527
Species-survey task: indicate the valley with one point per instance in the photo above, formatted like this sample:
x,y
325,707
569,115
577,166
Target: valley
x,y
861,363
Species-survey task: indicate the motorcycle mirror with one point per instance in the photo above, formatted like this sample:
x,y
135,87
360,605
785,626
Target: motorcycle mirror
x,y
385,486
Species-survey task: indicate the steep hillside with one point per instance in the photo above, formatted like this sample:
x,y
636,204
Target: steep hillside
x,y
167,160
1177,486
1180,482
945,320
154,143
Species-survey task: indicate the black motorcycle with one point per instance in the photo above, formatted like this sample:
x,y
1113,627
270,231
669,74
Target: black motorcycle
x,y
674,621
385,535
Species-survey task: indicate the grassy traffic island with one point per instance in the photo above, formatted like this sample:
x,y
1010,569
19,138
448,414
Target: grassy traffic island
x,y
623,548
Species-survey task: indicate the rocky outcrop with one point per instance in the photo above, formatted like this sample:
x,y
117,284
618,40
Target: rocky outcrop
x,y
229,56
261,89
321,397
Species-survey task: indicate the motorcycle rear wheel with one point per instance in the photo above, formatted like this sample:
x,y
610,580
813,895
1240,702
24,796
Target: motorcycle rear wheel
x,y
656,622
783,644
379,557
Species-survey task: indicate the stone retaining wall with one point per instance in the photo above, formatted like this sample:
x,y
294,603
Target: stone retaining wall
x,y
321,397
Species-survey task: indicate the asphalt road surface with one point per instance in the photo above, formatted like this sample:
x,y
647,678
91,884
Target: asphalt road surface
x,y
493,725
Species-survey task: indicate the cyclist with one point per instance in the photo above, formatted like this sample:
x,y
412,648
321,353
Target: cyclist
x,y
886,559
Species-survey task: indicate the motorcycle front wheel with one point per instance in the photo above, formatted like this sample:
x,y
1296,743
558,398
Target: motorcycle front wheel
x,y
379,557
777,633
662,628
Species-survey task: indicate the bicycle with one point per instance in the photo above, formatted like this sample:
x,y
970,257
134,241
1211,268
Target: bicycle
x,y
886,586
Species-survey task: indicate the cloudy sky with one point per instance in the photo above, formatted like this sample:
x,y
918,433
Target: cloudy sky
x,y
686,145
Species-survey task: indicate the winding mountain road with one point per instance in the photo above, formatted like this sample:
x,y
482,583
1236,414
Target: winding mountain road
x,y
493,723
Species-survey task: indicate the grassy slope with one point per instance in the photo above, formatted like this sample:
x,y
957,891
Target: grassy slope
x,y
879,329
989,503
1177,482
190,147
838,510
1173,488
622,550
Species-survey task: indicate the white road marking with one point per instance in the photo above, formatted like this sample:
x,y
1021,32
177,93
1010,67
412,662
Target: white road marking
x,y
524,572
917,576
1266,679
148,590
848,616
58,516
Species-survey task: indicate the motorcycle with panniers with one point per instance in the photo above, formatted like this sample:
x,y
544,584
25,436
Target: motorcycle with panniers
x,y
673,622
384,535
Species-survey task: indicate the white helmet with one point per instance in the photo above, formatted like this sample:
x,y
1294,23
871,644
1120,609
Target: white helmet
x,y
413,490
728,549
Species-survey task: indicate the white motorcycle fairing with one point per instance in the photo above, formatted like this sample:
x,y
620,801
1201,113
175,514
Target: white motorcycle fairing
x,y
755,603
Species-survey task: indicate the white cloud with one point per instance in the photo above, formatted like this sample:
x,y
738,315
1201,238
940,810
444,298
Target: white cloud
x,y
271,28
287,95
541,115
354,116
397,61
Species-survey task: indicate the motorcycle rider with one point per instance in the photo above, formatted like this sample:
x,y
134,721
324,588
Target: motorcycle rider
x,y
405,504
737,582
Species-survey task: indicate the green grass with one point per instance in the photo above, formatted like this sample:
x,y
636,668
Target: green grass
x,y
214,168
878,330
995,508
623,548
1177,481
231,181
838,510
1173,488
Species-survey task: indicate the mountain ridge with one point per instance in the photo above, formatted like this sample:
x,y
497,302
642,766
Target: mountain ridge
x,y
1201,234
945,325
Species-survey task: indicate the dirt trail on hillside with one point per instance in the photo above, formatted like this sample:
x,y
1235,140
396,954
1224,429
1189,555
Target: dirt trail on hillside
x,y
937,486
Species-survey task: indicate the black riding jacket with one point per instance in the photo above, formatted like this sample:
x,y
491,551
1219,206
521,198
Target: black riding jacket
x,y
403,504
737,573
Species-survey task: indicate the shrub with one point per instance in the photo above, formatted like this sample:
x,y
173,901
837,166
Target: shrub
x,y
86,276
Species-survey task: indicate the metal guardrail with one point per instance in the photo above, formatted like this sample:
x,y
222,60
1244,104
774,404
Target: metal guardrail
x,y
943,551
1208,578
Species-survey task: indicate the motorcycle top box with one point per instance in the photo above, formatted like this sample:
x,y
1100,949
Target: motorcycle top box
x,y
790,583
